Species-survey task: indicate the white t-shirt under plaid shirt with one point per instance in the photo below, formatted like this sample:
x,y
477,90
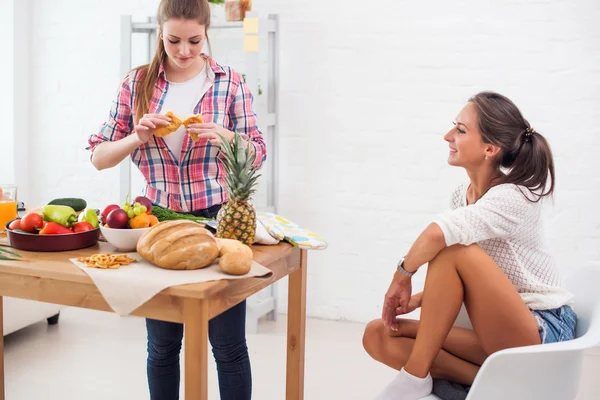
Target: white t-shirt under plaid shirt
x,y
508,227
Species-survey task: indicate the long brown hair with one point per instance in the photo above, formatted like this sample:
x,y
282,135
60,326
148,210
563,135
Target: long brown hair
x,y
525,153
167,9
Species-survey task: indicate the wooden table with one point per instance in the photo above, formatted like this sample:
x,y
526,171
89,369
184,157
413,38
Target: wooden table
x,y
52,278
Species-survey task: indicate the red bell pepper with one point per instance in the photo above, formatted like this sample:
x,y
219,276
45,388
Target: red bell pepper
x,y
52,228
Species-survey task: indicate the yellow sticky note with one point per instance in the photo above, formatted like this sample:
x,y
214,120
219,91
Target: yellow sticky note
x,y
251,25
251,44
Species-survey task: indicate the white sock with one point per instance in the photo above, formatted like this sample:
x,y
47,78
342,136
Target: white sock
x,y
407,387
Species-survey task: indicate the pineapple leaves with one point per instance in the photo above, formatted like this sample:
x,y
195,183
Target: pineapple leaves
x,y
238,160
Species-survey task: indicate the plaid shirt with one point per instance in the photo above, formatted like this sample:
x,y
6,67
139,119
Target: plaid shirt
x,y
199,182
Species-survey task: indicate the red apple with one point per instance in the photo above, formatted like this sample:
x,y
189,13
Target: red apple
x,y
107,211
117,219
145,202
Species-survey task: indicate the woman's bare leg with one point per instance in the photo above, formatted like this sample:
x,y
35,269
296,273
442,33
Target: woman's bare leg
x,y
499,317
394,351
460,342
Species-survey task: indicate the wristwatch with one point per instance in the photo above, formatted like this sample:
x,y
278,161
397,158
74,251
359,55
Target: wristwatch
x,y
401,269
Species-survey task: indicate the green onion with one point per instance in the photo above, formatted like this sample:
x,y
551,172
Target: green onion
x,y
4,251
163,214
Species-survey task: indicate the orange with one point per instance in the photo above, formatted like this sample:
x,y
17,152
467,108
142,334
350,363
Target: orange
x,y
140,221
153,220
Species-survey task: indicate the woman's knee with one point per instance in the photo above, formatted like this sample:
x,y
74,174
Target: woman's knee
x,y
230,352
453,253
372,337
164,340
227,335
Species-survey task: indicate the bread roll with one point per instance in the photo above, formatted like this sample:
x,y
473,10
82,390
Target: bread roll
x,y
175,123
235,258
194,119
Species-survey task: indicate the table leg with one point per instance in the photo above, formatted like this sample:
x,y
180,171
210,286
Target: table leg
x,y
1,348
196,347
295,330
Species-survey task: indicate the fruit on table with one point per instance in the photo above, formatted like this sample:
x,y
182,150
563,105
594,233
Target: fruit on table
x,y
237,218
82,226
136,215
90,216
31,222
106,211
133,209
117,219
144,201
140,221
63,215
16,224
153,220
52,228
235,256
178,245
75,203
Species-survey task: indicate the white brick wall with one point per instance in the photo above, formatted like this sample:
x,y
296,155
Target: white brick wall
x,y
6,102
367,93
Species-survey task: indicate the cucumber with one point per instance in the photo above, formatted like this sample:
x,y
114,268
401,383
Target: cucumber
x,y
73,202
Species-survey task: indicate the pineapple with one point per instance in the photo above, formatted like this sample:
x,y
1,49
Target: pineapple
x,y
237,218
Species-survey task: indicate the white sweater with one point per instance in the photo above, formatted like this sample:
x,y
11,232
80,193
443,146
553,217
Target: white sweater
x,y
508,227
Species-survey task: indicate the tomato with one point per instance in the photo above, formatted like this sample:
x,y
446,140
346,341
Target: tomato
x,y
16,224
82,226
32,222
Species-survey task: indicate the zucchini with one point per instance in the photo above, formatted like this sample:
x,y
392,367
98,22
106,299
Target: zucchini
x,y
73,202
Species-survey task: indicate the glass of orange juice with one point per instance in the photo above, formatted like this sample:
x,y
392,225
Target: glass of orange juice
x,y
8,204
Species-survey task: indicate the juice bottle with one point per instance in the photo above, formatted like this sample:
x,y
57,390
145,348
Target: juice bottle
x,y
8,204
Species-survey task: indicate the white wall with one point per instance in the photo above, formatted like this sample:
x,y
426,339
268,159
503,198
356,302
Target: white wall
x,y
14,135
367,93
6,102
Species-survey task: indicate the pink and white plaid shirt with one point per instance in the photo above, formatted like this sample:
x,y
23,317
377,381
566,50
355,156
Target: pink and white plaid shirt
x,y
199,181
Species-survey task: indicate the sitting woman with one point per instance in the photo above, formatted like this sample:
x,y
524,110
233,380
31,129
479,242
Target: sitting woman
x,y
487,252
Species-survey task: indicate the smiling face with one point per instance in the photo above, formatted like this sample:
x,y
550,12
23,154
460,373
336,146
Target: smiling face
x,y
467,148
183,40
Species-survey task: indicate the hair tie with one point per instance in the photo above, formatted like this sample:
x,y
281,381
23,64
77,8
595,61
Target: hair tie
x,y
528,133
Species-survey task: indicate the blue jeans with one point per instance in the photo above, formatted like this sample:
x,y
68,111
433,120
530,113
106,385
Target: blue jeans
x,y
556,325
227,335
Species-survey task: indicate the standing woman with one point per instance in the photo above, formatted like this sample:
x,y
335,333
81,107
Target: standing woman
x,y
182,174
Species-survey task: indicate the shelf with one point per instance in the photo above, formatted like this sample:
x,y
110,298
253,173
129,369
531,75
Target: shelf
x,y
150,27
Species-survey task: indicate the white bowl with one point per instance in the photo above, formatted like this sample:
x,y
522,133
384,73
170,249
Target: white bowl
x,y
123,239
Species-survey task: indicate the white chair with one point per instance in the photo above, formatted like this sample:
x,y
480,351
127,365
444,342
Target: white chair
x,y
549,371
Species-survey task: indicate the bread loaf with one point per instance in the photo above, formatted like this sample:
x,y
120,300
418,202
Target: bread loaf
x,y
178,244
235,257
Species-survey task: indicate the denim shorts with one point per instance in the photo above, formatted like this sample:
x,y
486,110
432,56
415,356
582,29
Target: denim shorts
x,y
556,325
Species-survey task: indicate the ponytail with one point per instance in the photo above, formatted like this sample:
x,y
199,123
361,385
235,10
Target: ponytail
x,y
531,165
